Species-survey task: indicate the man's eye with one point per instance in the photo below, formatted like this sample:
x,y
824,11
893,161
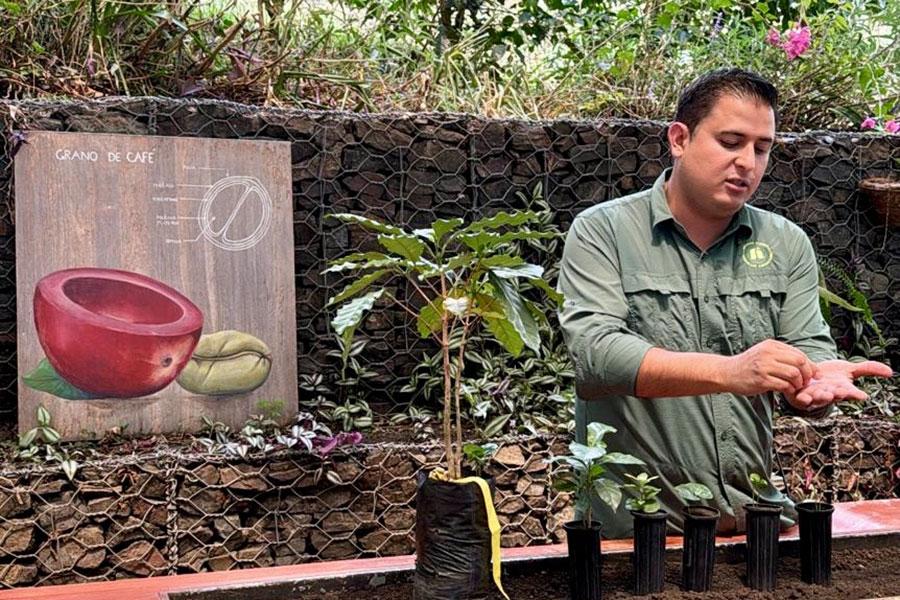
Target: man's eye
x,y
729,143
763,150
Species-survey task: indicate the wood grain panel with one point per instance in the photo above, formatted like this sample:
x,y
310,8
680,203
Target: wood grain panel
x,y
139,203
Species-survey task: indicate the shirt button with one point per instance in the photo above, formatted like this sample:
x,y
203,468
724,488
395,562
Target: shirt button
x,y
724,436
706,298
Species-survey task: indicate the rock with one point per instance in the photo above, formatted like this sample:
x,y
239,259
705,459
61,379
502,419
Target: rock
x,y
400,519
142,559
17,574
339,522
207,474
205,502
531,526
60,517
510,505
242,477
14,502
372,542
85,549
16,536
510,456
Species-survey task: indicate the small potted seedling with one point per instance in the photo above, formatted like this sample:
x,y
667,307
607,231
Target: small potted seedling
x,y
815,541
649,534
584,479
698,553
763,520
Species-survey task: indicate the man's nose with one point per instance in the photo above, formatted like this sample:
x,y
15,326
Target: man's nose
x,y
746,158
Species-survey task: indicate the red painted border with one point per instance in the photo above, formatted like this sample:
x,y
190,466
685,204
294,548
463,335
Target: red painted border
x,y
851,519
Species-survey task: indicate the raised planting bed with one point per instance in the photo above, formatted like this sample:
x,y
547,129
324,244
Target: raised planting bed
x,y
866,564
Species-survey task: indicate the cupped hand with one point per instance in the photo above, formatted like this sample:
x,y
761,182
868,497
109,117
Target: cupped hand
x,y
833,381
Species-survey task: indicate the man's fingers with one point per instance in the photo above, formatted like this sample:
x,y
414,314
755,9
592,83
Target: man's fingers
x,y
871,368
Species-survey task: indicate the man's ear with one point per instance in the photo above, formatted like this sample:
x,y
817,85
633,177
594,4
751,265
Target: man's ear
x,y
679,135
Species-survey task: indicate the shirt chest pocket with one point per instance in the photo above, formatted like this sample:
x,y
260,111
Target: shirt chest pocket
x,y
661,310
752,306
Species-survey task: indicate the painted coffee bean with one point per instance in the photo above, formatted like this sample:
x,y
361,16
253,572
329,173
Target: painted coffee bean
x,y
226,362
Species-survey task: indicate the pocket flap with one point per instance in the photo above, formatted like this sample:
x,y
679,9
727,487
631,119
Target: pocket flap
x,y
662,283
764,286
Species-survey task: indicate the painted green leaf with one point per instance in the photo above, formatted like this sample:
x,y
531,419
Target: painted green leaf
x,y
517,313
357,286
367,223
407,246
43,416
505,333
44,378
429,319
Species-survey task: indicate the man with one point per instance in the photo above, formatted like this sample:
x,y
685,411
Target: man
x,y
686,309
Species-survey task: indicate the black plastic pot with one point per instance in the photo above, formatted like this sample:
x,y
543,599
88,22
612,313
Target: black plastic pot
x,y
584,560
649,551
763,522
453,542
699,550
815,542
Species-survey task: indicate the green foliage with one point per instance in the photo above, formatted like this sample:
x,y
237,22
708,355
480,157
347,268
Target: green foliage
x,y
504,395
45,437
479,455
759,485
858,306
531,58
644,495
271,409
693,492
583,473
464,276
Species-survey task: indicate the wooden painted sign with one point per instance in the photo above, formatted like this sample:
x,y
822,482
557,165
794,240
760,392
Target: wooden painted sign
x,y
155,281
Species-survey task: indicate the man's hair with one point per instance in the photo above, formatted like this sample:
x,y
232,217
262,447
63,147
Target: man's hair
x,y
698,99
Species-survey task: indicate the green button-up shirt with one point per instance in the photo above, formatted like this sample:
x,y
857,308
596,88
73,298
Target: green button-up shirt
x,y
632,281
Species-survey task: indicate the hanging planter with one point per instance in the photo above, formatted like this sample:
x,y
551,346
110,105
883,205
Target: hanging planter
x,y
884,193
815,542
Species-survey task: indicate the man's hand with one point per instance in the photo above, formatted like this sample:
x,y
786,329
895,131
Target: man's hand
x,y
769,366
833,382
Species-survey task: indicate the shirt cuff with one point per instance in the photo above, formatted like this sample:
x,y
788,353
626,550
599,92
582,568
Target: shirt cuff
x,y
608,366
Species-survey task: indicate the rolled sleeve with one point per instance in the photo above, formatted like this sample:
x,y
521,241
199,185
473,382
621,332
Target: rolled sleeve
x,y
606,354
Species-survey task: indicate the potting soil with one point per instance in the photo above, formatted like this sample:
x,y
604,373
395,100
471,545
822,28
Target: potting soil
x,y
857,573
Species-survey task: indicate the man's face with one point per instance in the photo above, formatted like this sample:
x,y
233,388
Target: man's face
x,y
723,159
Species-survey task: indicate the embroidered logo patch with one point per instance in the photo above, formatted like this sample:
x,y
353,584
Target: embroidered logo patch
x,y
757,254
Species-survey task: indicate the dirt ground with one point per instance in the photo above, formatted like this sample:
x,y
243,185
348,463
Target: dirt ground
x,y
860,573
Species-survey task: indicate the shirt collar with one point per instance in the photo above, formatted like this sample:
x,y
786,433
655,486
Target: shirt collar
x,y
660,213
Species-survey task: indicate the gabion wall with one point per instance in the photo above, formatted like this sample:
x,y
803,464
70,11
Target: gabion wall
x,y
413,168
169,512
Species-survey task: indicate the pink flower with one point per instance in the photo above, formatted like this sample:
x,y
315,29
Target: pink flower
x,y
773,38
892,126
868,123
797,42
